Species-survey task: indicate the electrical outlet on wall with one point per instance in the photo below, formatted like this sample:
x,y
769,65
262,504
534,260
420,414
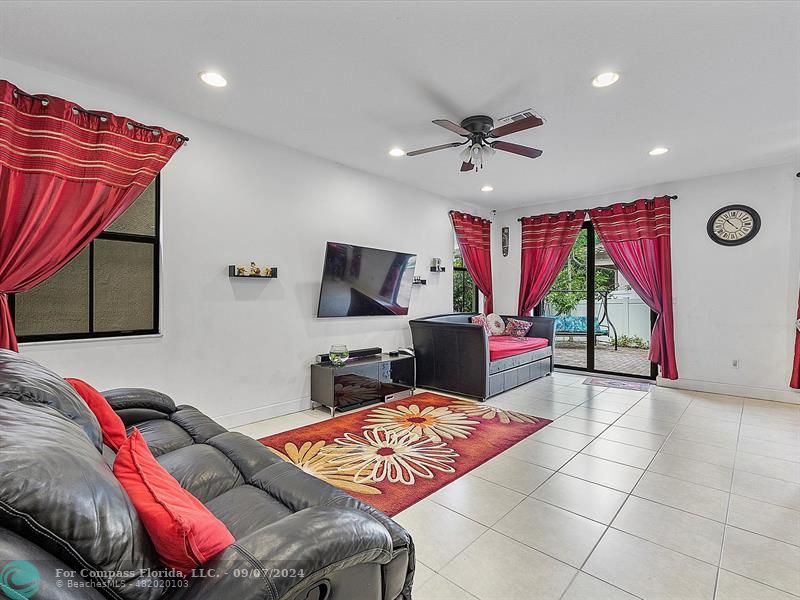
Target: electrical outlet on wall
x,y
735,363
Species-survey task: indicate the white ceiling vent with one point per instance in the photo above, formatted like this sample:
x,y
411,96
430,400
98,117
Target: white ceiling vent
x,y
523,114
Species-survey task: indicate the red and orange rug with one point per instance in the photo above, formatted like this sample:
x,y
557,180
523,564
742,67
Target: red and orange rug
x,y
394,455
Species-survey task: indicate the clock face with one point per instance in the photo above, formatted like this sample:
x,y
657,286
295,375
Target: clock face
x,y
734,225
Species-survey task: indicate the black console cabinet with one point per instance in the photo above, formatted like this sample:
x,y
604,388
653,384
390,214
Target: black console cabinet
x,y
378,378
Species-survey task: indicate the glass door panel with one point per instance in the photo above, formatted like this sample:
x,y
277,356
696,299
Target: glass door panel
x,y
567,302
615,340
623,321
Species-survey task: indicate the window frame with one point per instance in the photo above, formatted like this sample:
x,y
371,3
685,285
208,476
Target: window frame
x,y
476,301
155,241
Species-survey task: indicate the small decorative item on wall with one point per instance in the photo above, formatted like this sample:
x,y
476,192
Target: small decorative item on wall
x,y
733,225
504,236
436,266
253,271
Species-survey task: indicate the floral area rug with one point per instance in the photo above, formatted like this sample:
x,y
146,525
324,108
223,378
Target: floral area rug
x,y
395,454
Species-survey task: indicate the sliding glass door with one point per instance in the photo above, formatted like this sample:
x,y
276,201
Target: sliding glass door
x,y
615,340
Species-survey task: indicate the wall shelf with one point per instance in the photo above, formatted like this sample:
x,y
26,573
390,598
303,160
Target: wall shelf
x,y
273,273
437,269
420,282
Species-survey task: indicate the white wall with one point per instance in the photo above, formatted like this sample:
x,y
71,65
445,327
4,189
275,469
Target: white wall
x,y
240,349
730,303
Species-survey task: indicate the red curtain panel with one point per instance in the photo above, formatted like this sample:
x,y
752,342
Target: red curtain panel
x,y
65,174
546,244
795,383
636,237
473,235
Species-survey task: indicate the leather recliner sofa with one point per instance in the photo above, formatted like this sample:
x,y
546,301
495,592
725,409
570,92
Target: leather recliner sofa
x,y
68,528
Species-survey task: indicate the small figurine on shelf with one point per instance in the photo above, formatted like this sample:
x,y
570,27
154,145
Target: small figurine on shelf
x,y
254,270
267,271
241,271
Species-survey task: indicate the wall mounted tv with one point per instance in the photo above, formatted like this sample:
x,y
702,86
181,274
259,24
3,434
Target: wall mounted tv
x,y
360,282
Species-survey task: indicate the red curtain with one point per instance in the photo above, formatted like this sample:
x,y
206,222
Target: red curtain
x,y
637,238
473,235
65,174
546,244
795,383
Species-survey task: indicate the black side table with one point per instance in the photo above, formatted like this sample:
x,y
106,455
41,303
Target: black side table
x,y
378,378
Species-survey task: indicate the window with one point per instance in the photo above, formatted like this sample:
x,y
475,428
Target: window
x,y
465,292
109,289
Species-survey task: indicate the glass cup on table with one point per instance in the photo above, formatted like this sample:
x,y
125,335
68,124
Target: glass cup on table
x,y
338,354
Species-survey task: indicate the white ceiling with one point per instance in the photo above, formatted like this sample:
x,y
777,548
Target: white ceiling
x,y
718,83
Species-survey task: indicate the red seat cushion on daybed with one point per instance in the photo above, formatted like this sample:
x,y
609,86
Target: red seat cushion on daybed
x,y
503,346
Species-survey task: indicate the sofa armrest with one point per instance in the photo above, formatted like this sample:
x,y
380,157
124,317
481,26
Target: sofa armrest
x,y
451,356
543,327
291,556
127,398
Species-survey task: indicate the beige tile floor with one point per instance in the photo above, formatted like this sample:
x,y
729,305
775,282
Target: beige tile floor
x,y
667,495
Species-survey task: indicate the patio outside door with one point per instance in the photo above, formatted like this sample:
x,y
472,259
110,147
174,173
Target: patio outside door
x,y
616,339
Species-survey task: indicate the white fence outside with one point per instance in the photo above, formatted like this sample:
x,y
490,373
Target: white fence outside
x,y
627,312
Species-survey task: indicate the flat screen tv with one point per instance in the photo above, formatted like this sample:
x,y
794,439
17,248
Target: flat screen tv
x,y
360,282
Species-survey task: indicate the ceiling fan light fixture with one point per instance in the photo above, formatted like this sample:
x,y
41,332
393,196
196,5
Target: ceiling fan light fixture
x,y
397,152
605,79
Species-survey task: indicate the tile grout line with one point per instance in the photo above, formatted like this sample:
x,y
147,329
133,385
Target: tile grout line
x,y
616,514
728,506
608,526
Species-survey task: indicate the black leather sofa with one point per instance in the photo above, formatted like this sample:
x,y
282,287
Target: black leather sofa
x,y
64,514
452,355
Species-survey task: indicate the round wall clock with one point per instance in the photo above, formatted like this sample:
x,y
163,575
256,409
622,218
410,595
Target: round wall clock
x,y
733,225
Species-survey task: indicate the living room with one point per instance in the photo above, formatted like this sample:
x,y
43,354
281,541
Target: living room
x,y
684,466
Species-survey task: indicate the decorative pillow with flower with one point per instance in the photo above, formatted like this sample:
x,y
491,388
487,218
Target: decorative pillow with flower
x,y
481,320
495,324
518,328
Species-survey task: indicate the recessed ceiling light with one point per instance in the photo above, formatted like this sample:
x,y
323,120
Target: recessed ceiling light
x,y
487,188
658,151
397,152
213,79
605,79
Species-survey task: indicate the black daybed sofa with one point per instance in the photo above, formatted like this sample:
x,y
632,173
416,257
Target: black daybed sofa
x,y
454,355
68,527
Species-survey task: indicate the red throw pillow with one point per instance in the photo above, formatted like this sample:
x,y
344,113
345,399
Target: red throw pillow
x,y
481,320
184,532
518,327
111,425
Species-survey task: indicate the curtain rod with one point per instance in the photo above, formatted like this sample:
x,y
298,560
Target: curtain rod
x,y
102,116
674,197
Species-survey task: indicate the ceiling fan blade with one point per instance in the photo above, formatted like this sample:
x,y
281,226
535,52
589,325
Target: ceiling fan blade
x,y
521,125
452,127
517,149
467,166
434,148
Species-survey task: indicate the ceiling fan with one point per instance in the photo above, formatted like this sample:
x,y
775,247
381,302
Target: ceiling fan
x,y
479,131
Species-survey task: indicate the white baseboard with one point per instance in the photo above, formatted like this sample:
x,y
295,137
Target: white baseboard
x,y
728,389
254,415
